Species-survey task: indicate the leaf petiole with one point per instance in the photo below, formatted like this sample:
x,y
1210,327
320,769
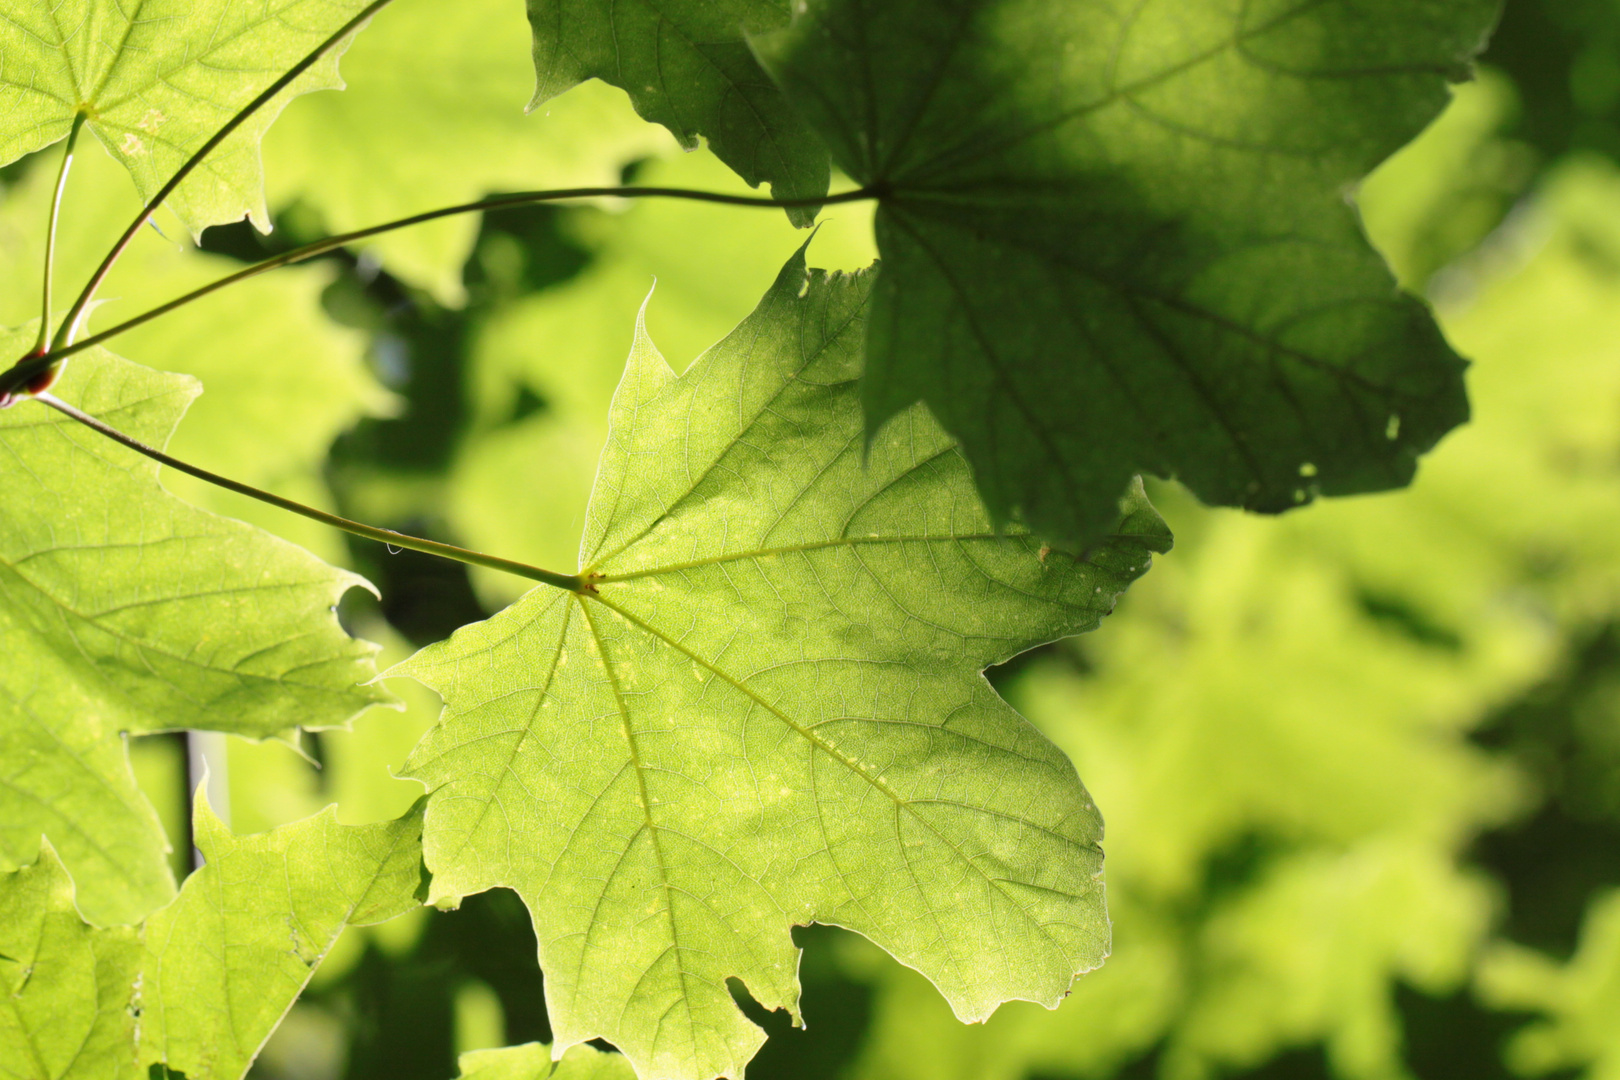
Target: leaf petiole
x,y
569,582
50,233
29,366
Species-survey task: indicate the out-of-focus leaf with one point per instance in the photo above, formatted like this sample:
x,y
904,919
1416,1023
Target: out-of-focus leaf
x,y
1299,787
155,81
1442,194
1519,505
282,380
1115,238
1580,999
1312,952
686,65
1114,1015
123,609
767,710
396,143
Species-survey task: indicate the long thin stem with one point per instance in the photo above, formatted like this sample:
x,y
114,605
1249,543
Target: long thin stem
x,y
70,324
32,364
570,582
50,233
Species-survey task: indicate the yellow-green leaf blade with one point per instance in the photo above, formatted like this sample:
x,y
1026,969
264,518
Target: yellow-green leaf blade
x,y
157,80
770,711
198,988
65,986
532,1061
126,610
228,957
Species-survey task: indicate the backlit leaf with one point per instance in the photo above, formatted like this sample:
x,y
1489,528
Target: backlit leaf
x,y
396,143
1578,1000
223,962
532,1061
155,80
123,609
198,988
767,709
67,985
566,346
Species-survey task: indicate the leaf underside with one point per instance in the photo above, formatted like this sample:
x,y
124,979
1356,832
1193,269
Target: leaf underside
x,y
123,609
769,709
1115,238
686,65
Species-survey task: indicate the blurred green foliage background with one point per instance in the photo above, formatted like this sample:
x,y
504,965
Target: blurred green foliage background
x,y
1360,763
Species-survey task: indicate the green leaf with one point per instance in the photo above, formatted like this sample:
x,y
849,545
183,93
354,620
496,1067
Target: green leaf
x,y
451,138
1115,238
156,80
122,609
198,988
532,1061
225,960
1315,949
686,65
66,986
768,710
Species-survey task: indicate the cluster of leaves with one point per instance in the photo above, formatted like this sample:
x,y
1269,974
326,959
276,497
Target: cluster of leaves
x,y
761,706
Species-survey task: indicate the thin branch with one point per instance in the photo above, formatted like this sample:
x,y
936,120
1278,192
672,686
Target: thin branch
x,y
70,324
570,582
30,365
50,233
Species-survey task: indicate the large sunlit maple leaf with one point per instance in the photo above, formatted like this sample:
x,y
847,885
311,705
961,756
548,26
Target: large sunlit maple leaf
x,y
766,708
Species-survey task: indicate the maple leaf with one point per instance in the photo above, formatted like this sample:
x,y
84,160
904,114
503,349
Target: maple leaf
x,y
1115,237
686,65
156,80
768,710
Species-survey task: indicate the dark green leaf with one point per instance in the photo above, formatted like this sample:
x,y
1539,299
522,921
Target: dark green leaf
x,y
686,65
1116,239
